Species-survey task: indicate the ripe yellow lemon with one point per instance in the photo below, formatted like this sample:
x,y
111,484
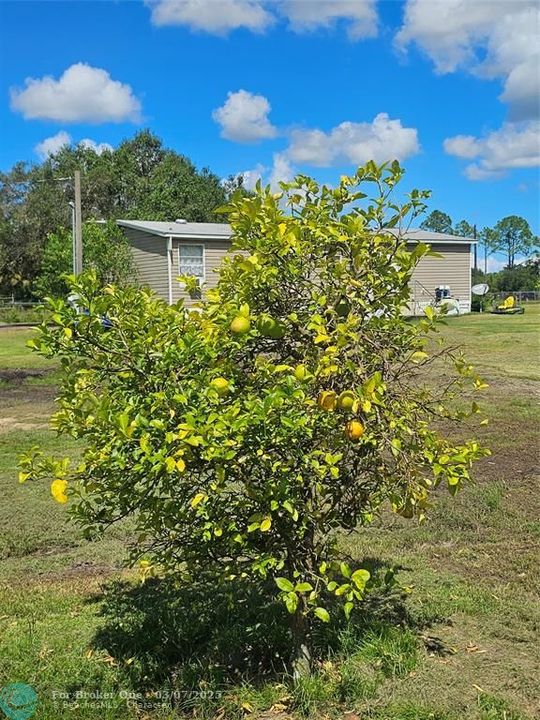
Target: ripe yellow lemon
x,y
354,429
327,400
346,400
240,325
220,385
58,491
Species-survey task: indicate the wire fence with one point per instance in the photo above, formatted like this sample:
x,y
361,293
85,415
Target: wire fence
x,y
9,301
520,295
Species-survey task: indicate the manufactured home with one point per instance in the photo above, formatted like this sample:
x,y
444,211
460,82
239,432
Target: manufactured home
x,y
164,250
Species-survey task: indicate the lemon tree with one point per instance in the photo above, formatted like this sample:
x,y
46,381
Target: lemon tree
x,y
246,436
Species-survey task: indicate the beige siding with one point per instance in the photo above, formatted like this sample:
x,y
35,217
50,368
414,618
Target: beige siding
x,y
214,252
453,269
150,258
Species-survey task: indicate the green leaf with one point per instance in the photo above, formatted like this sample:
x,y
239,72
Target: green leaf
x,y
291,602
284,584
303,587
360,578
369,386
123,421
322,614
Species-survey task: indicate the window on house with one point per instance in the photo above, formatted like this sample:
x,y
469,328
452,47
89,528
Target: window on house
x,y
191,260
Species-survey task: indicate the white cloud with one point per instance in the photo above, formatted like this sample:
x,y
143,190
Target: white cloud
x,y
51,145
356,143
244,117
98,148
463,146
210,16
491,39
450,31
512,146
521,90
307,15
82,94
251,177
282,171
494,263
220,17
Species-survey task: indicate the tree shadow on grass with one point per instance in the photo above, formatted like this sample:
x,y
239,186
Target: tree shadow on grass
x,y
163,630
205,634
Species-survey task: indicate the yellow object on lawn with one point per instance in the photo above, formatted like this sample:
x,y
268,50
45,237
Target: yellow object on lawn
x,y
508,304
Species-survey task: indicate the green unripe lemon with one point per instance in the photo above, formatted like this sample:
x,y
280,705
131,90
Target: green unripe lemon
x,y
346,400
342,308
240,325
271,328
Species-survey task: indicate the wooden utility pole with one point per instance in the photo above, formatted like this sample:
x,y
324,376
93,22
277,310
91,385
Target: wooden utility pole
x,y
475,249
78,246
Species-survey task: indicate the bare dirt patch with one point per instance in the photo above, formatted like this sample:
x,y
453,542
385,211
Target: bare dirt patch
x,y
7,424
24,405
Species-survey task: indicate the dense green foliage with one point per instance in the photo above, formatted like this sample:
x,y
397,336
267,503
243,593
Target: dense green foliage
x,y
521,278
140,179
512,236
105,250
437,221
243,438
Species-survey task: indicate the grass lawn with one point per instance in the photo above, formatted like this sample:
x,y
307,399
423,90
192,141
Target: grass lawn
x,y
13,351
464,638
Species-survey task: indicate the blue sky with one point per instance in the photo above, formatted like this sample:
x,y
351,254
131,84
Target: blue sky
x,y
449,87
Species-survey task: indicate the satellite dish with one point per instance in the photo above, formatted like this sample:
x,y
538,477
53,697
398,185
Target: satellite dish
x,y
480,289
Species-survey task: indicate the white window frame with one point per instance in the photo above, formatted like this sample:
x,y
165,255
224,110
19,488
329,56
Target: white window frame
x,y
202,278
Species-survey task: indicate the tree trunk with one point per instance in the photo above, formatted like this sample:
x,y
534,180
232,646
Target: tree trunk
x,y
301,644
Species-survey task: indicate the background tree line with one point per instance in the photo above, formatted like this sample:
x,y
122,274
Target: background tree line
x,y
140,180
143,180
512,236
